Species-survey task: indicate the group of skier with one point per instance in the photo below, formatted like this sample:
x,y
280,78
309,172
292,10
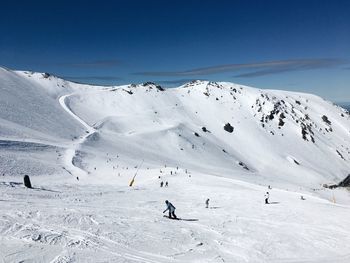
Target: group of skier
x,y
171,208
162,184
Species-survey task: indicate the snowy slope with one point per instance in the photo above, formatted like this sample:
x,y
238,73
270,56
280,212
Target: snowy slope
x,y
82,144
267,138
34,129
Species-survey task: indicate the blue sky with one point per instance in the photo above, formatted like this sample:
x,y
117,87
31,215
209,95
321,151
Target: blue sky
x,y
293,45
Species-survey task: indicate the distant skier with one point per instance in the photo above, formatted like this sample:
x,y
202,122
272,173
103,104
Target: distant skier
x,y
166,184
267,196
207,203
161,184
171,209
302,198
269,187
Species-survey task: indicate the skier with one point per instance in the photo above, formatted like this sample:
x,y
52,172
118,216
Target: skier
x,y
166,184
207,203
267,196
171,209
161,184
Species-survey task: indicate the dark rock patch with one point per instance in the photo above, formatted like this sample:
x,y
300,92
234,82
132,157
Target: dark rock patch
x,y
326,120
128,91
46,75
345,182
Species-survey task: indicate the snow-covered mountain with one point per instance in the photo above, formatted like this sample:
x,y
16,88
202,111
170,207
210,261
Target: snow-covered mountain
x,y
220,135
270,136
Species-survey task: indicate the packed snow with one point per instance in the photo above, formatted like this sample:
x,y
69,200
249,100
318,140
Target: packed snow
x,y
82,145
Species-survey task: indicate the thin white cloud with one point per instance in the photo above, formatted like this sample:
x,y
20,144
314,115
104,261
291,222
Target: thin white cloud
x,y
254,69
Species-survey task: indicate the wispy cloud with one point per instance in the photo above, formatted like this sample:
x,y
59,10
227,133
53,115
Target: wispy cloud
x,y
95,64
254,69
293,65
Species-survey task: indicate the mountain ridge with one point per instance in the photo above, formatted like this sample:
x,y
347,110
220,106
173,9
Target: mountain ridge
x,y
266,127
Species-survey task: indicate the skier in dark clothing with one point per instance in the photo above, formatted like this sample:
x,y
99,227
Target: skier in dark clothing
x,y
161,184
207,203
267,196
171,209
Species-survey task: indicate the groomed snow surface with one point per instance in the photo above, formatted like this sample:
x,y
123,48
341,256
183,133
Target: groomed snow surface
x,y
81,146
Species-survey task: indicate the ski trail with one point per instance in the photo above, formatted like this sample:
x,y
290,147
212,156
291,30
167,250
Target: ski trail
x,y
72,150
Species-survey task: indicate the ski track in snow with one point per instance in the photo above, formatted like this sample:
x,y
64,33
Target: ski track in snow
x,y
72,150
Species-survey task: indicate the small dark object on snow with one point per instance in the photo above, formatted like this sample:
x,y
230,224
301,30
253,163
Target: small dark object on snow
x,y
296,162
326,120
207,203
244,165
128,91
27,182
204,129
228,128
196,134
